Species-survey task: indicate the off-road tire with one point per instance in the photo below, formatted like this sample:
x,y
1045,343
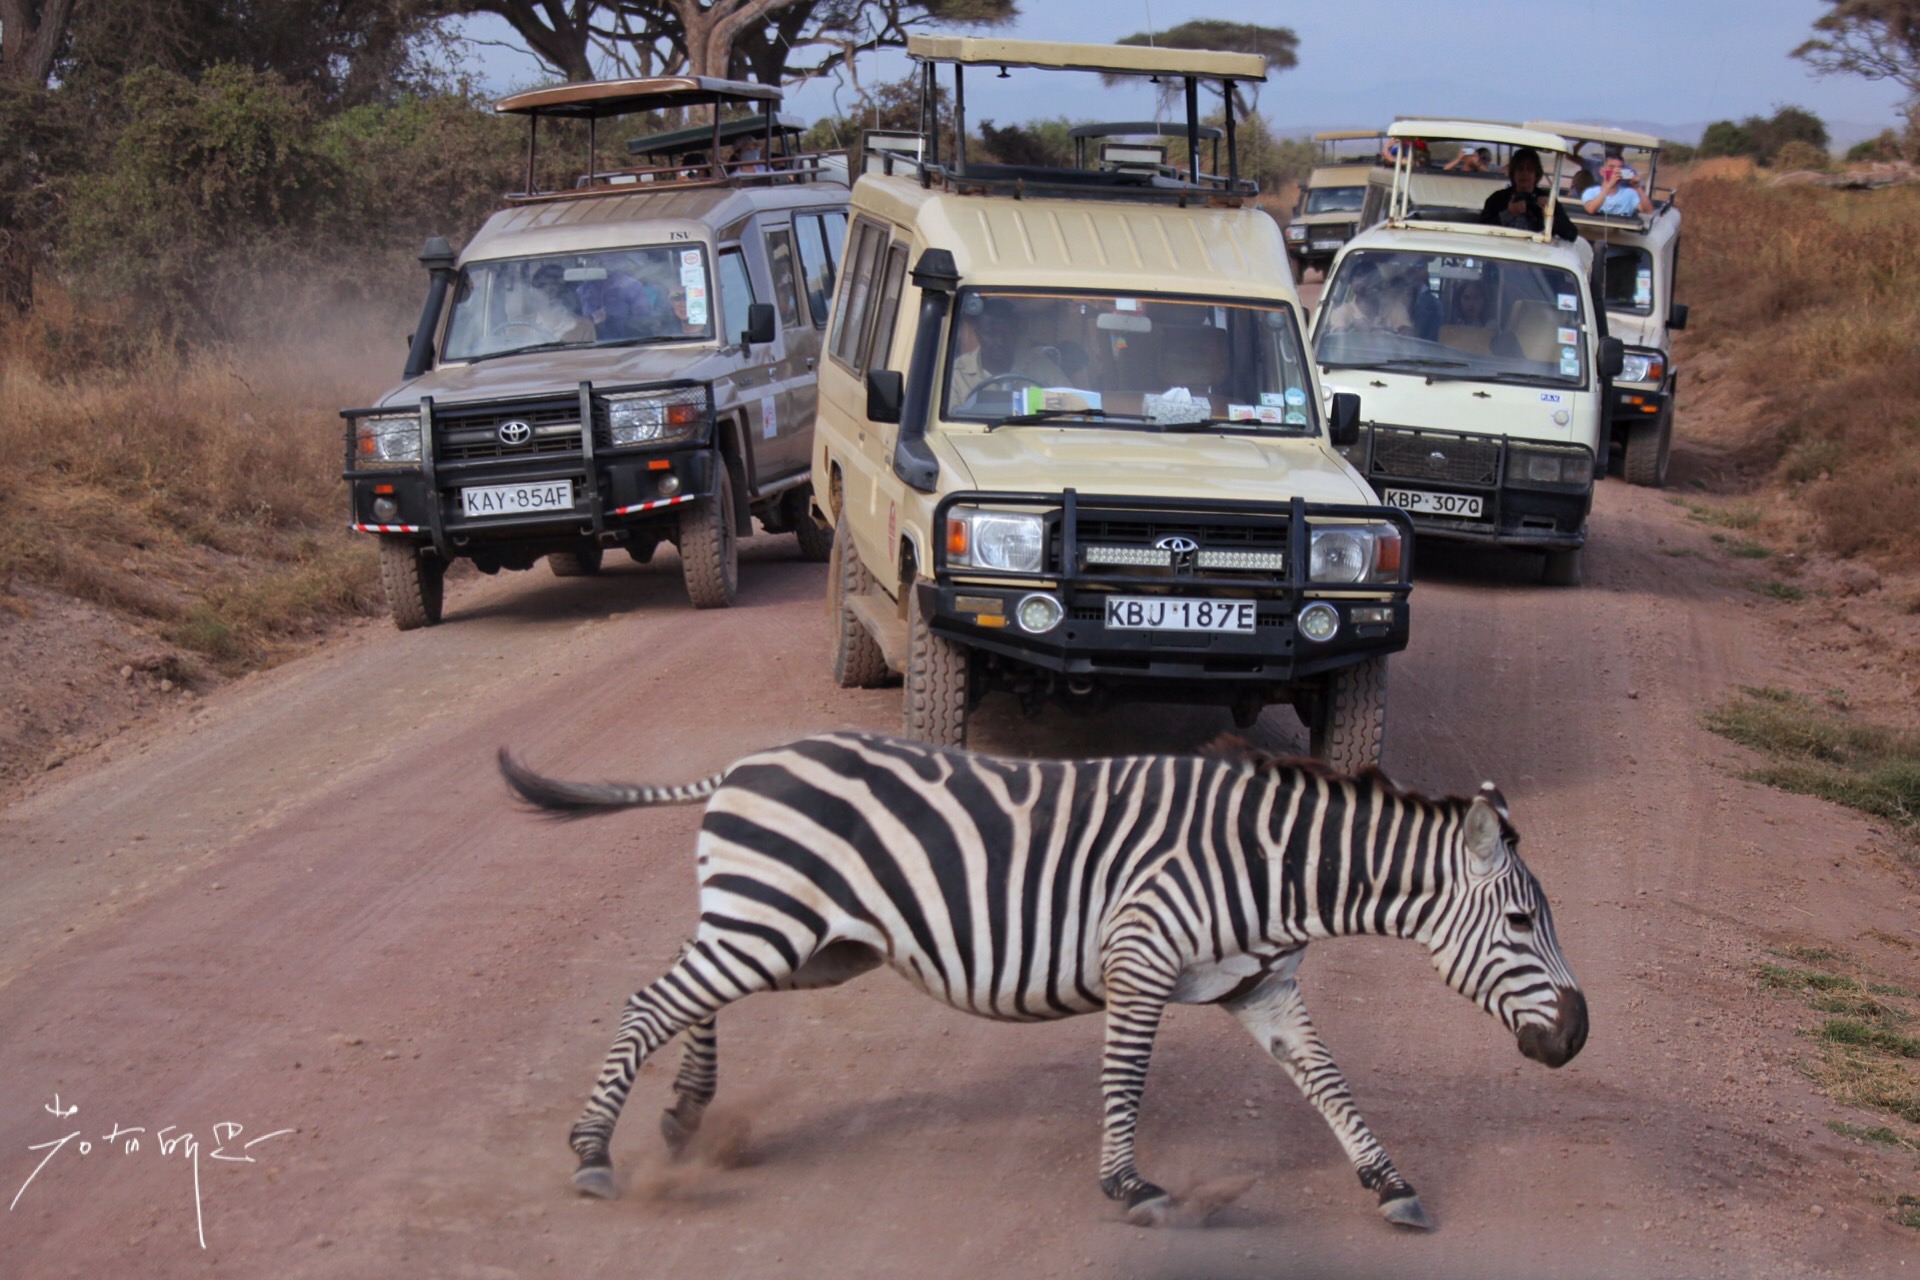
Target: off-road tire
x,y
414,578
709,547
816,543
1349,726
858,662
935,704
1649,445
1564,568
576,564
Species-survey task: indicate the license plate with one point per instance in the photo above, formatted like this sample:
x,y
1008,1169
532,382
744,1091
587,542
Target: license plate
x,y
1329,246
1169,613
1462,506
517,499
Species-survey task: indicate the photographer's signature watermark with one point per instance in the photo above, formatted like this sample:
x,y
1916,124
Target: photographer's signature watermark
x,y
170,1142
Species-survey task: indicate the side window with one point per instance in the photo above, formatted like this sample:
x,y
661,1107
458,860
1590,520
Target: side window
x,y
736,294
816,264
856,292
888,310
780,264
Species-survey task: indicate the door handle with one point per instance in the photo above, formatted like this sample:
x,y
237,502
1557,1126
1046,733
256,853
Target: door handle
x,y
809,362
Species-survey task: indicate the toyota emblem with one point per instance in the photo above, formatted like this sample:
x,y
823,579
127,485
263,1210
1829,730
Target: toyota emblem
x,y
514,431
1436,461
1178,543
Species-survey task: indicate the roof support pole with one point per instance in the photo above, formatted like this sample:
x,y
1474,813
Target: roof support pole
x,y
533,138
1193,130
959,119
930,113
1233,153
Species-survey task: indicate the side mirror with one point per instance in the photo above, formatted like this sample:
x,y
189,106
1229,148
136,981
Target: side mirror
x,y
1677,318
759,325
886,392
1613,357
1343,425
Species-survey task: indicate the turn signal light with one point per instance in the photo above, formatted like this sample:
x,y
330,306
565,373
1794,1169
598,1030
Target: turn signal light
x,y
956,537
1386,552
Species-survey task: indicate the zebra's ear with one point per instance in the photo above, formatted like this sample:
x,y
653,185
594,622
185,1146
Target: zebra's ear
x,y
1486,852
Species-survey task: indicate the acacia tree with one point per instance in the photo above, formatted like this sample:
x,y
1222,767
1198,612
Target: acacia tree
x,y
1875,39
1279,44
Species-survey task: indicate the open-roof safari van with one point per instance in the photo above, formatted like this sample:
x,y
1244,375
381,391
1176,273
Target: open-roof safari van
x,y
1071,439
1636,257
625,362
1483,357
1327,211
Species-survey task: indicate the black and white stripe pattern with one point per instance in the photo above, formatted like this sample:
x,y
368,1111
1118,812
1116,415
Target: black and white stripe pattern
x,y
1030,890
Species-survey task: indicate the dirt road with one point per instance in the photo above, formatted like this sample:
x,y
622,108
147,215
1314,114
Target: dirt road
x,y
309,911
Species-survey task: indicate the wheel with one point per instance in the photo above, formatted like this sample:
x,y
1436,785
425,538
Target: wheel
x,y
414,578
1564,568
1349,725
576,564
709,548
1648,446
1299,269
816,544
858,662
936,684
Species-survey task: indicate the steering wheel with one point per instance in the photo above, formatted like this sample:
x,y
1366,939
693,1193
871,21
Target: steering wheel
x,y
1013,382
508,330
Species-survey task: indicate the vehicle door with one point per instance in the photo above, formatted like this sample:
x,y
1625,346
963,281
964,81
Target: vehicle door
x,y
794,372
749,391
861,337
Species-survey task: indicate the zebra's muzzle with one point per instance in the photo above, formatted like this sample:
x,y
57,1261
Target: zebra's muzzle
x,y
1556,1045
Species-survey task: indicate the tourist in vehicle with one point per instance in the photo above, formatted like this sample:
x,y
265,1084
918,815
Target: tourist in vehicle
x,y
681,326
990,343
621,306
1521,204
1470,160
1618,192
748,158
1371,304
1472,305
552,311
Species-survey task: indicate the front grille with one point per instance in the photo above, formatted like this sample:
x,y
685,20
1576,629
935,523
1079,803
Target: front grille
x,y
463,433
1120,532
1403,454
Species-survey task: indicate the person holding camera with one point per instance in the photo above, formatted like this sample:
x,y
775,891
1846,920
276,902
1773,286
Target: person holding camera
x,y
1521,204
1618,193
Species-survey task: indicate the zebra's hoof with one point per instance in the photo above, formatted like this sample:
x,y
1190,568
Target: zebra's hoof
x,y
677,1134
595,1180
1154,1211
1405,1211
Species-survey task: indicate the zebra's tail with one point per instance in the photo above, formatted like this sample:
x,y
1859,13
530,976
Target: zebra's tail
x,y
578,799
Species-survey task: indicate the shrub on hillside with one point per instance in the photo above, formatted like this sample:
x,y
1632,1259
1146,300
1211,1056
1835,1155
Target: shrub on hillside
x,y
1797,155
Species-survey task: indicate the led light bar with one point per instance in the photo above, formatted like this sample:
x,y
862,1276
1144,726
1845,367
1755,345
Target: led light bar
x,y
1129,555
1241,560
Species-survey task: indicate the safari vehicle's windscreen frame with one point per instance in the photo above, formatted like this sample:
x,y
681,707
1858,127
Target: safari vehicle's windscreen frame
x,y
703,303
1290,333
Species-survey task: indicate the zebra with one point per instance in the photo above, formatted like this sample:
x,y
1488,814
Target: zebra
x,y
1024,890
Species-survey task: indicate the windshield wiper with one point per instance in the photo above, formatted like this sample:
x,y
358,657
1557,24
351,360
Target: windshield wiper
x,y
520,351
1420,362
1048,415
1237,424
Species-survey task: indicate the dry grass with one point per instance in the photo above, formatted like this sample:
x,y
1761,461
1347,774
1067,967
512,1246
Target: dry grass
x,y
1812,297
199,492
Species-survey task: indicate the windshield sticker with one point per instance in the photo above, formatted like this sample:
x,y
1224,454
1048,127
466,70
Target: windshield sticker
x,y
1569,302
1257,413
1549,397
1643,287
689,258
1296,418
1569,362
697,304
1272,398
1058,400
769,419
1175,405
1296,396
1569,336
1126,304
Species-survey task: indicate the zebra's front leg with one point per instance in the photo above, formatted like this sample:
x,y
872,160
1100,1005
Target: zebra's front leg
x,y
1276,1015
693,1087
1138,986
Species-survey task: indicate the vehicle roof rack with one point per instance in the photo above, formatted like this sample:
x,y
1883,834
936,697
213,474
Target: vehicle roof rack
x,y
1598,133
1137,178
701,136
1401,208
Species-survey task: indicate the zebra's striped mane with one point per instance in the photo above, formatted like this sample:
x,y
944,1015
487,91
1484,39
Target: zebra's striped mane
x,y
1234,749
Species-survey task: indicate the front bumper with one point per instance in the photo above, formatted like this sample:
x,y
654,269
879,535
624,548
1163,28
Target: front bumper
x,y
980,610
1631,404
615,490
1451,463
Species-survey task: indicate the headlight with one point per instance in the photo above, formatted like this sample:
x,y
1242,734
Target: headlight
x,y
1355,553
1643,366
1543,466
1296,234
386,441
656,417
1003,540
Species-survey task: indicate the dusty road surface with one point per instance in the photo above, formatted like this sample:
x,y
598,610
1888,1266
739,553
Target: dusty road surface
x,y
308,919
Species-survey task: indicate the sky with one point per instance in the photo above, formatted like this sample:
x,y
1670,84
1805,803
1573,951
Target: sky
x,y
1671,64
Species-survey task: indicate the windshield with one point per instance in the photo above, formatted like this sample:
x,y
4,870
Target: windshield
x,y
614,296
1627,284
1119,358
1334,199
1454,316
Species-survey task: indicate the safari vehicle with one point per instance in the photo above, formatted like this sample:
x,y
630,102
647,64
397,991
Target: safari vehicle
x,y
1072,444
1484,360
1635,258
1434,191
628,362
1327,212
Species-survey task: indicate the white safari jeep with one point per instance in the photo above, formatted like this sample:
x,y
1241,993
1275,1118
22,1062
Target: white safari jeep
x,y
1635,258
1072,443
1483,361
622,363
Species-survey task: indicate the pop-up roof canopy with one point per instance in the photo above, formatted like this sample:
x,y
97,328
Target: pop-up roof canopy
x,y
1506,135
598,99
700,135
1142,129
1112,59
1348,135
1600,133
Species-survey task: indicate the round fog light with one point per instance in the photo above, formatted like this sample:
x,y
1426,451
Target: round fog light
x,y
385,509
669,484
1038,613
1318,621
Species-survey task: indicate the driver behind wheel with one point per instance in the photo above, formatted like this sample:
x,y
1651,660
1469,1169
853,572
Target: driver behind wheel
x,y
990,341
552,310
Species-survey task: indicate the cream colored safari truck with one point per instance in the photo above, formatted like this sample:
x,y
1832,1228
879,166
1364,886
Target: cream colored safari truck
x,y
1636,257
1327,212
1072,443
1483,359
